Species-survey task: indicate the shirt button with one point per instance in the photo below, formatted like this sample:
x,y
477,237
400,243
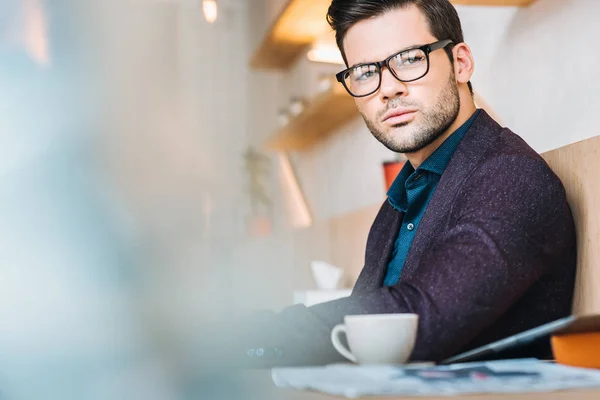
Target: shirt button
x,y
410,227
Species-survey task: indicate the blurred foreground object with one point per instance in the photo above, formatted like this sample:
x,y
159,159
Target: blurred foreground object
x,y
69,324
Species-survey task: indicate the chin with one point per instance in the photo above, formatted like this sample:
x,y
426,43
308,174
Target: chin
x,y
396,130
404,140
401,131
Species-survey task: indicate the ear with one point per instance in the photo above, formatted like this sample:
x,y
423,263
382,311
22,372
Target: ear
x,y
463,63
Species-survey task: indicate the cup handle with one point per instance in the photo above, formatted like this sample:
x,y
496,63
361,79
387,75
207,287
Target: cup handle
x,y
335,339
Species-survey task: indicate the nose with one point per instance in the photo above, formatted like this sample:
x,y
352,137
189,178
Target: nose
x,y
390,86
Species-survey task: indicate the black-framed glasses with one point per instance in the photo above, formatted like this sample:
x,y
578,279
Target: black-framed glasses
x,y
406,66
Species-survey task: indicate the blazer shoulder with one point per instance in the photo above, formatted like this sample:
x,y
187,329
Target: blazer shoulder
x,y
511,166
511,154
510,143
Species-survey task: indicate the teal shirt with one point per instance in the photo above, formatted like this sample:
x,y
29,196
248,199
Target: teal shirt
x,y
410,193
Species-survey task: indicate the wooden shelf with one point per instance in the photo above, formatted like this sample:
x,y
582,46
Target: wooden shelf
x,y
302,22
323,115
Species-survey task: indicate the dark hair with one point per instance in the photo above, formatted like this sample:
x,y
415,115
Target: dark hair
x,y
441,15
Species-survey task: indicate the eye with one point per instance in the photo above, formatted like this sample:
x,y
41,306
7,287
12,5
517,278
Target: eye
x,y
363,73
410,58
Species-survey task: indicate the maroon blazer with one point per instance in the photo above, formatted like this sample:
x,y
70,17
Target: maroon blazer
x,y
494,255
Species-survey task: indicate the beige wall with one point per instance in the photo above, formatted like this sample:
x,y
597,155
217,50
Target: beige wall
x,y
544,95
173,141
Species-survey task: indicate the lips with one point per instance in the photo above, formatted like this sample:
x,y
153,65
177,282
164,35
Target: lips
x,y
396,113
399,116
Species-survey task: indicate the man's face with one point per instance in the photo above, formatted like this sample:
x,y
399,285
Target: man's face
x,y
427,106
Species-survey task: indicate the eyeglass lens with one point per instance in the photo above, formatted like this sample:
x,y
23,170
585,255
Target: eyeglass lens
x,y
407,66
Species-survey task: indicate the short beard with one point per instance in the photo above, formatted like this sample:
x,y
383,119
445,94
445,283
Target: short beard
x,y
436,121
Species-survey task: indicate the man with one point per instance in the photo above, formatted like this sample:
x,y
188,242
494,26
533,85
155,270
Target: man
x,y
476,236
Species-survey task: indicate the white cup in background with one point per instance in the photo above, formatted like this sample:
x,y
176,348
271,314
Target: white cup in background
x,y
377,338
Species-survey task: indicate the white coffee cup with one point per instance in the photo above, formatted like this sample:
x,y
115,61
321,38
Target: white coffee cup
x,y
377,338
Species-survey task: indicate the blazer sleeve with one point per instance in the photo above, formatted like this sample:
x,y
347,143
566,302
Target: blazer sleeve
x,y
509,225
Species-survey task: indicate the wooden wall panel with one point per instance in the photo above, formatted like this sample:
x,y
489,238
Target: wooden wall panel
x,y
578,166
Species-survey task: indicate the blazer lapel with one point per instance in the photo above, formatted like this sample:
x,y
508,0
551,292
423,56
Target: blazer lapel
x,y
380,247
480,136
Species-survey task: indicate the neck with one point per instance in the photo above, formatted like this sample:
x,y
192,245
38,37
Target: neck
x,y
467,109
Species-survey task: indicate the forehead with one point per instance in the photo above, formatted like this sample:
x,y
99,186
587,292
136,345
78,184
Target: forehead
x,y
376,38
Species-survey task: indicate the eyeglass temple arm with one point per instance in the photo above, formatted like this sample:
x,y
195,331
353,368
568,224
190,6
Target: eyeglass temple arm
x,y
439,45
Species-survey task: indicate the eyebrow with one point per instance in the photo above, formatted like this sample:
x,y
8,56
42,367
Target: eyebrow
x,y
414,46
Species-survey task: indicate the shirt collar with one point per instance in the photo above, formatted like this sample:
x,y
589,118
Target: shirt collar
x,y
397,192
435,163
440,158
